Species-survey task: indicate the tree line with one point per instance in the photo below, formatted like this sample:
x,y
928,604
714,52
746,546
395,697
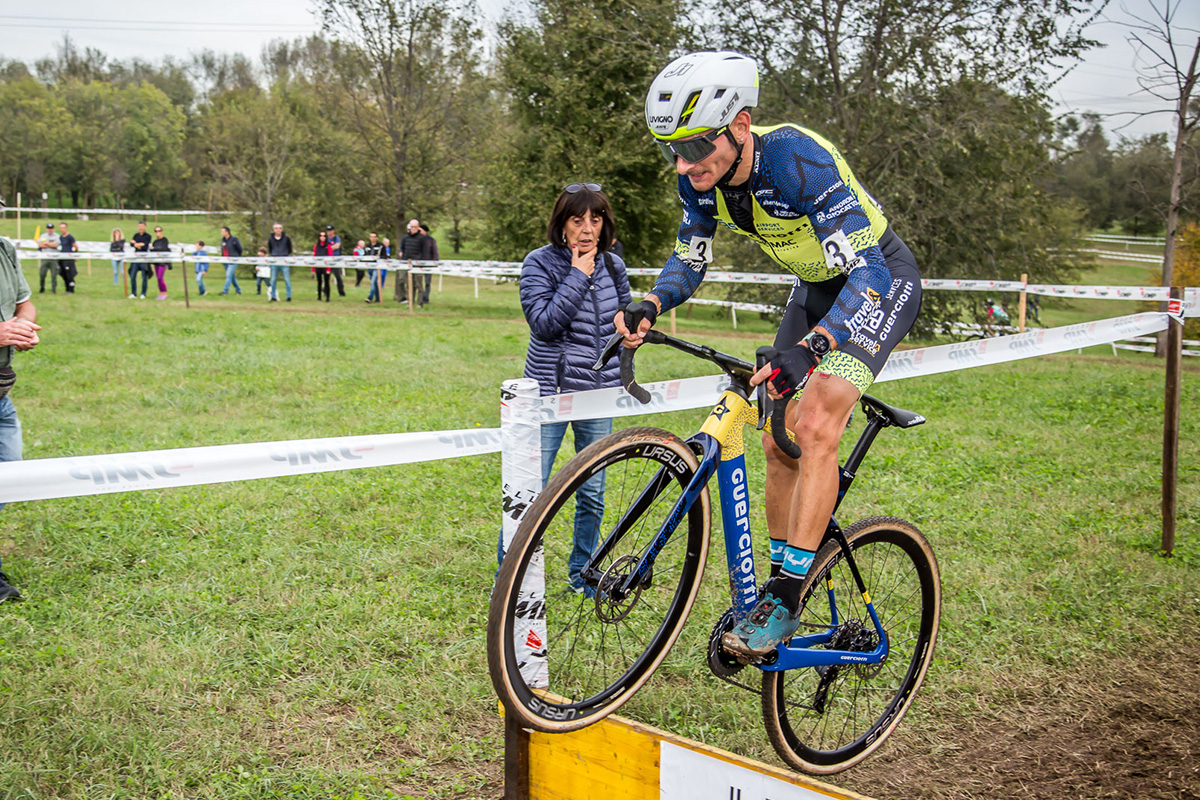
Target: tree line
x,y
391,111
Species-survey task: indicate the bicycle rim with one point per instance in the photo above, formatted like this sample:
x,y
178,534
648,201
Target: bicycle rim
x,y
826,719
601,649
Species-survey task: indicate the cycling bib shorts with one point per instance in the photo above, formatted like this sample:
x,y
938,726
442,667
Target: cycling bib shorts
x,y
880,322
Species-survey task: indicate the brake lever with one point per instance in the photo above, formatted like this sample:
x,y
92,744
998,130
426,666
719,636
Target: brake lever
x,y
609,350
762,357
776,410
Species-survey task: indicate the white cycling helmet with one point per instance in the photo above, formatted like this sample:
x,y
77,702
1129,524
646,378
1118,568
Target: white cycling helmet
x,y
699,92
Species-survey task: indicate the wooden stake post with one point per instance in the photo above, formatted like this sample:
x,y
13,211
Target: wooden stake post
x,y
187,302
1021,305
1171,422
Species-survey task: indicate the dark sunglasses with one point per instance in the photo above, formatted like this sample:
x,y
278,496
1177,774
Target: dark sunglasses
x,y
692,150
572,188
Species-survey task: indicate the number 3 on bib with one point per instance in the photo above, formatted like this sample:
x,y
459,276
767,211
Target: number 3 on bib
x,y
700,250
839,253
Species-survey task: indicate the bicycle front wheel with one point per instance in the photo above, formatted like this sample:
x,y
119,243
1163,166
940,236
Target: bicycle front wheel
x,y
825,719
602,642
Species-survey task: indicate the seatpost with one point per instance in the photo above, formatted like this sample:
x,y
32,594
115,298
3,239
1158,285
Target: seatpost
x,y
875,424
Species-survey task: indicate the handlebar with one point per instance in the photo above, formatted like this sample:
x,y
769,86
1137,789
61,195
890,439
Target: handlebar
x,y
737,369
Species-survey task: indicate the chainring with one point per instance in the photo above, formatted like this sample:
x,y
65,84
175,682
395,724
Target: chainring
x,y
723,665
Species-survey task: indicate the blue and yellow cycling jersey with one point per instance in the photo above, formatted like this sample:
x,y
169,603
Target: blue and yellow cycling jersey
x,y
808,213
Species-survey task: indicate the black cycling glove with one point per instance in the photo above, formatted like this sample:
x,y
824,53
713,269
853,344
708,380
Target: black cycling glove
x,y
635,311
791,368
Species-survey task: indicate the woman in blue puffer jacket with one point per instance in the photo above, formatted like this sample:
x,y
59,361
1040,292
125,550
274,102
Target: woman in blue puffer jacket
x,y
570,291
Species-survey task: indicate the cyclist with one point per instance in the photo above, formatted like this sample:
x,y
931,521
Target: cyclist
x,y
857,291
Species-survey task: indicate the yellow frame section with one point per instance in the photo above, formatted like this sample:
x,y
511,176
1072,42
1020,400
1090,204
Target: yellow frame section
x,y
726,421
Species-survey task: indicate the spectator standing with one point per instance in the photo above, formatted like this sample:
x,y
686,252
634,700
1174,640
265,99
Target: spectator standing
x,y
262,273
230,248
67,244
431,254
335,246
161,245
383,271
48,241
322,249
618,249
18,331
116,246
279,245
412,247
374,247
201,266
141,244
570,291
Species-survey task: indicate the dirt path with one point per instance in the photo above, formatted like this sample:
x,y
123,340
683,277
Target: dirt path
x,y
1129,730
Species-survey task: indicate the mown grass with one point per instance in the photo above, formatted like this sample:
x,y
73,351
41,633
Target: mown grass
x,y
322,636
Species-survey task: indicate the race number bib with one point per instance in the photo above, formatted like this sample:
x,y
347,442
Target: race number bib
x,y
839,253
700,250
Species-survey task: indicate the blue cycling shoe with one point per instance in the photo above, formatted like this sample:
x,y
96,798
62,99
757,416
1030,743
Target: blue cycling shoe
x,y
767,625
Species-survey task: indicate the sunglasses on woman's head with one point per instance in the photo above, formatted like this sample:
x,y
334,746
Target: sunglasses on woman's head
x,y
572,188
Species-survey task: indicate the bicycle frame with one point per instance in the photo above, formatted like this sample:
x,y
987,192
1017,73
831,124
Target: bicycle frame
x,y
720,445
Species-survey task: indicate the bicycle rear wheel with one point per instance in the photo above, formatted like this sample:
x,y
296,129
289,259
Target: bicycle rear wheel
x,y
600,646
823,720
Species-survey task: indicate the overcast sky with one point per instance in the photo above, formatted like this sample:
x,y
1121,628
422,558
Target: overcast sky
x,y
1105,82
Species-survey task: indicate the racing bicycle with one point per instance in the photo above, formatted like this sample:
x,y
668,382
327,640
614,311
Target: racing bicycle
x,y
870,603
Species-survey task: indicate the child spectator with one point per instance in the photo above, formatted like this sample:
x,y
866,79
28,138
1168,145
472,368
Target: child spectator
x,y
201,266
262,273
117,248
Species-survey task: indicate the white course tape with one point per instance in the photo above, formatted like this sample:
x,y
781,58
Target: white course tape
x,y
677,395
39,479
1001,349
703,392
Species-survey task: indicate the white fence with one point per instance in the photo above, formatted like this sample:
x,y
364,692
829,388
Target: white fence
x,y
1117,238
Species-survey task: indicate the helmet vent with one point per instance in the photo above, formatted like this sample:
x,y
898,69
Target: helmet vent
x,y
720,93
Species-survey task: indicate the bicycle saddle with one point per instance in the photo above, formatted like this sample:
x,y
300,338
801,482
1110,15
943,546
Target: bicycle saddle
x,y
899,417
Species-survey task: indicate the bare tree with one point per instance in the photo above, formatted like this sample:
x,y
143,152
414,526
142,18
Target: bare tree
x,y
401,66
1169,72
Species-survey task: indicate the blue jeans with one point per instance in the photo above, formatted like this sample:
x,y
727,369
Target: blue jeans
x,y
286,271
10,433
589,498
231,279
374,294
136,269
116,272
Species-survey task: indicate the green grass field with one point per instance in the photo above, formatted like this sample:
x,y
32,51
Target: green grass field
x,y
323,636
206,229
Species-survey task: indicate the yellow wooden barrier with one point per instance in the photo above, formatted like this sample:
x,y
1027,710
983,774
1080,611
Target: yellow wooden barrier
x,y
619,759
